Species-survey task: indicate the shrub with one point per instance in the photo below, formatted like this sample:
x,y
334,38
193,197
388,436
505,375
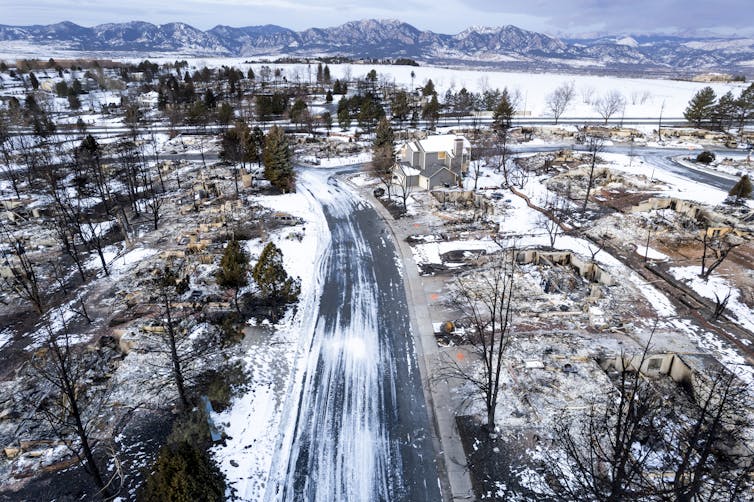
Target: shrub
x,y
184,473
706,157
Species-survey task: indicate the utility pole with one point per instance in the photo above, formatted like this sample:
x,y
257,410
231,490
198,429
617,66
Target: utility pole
x,y
659,126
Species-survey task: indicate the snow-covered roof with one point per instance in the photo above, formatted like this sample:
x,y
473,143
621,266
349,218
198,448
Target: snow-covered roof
x,y
409,171
443,143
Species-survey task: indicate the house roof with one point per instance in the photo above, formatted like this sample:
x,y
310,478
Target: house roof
x,y
443,143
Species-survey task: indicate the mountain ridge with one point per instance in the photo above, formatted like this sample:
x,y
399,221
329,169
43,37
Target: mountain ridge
x,y
507,45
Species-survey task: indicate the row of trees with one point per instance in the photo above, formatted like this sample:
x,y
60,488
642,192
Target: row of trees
x,y
728,111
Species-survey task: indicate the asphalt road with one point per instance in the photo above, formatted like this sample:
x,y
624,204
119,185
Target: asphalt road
x,y
362,430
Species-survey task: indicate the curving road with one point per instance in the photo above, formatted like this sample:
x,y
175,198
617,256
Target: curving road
x,y
361,430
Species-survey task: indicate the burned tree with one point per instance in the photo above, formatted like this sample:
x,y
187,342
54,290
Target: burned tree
x,y
710,453
594,146
640,442
485,301
23,277
593,456
716,245
169,286
73,405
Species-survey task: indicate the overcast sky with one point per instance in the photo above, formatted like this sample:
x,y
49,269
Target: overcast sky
x,y
445,16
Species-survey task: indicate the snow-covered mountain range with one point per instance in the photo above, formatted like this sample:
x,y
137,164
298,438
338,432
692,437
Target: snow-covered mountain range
x,y
506,45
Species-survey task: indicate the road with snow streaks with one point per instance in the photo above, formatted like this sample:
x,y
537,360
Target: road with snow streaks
x,y
361,429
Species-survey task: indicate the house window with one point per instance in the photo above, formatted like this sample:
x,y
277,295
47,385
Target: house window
x,y
441,155
654,364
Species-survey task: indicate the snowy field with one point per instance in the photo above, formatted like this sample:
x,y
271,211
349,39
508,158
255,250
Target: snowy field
x,y
644,97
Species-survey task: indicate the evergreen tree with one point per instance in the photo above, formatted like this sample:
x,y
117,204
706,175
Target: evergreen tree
x,y
399,106
383,156
278,160
256,145
320,74
327,121
701,107
234,267
502,117
429,89
724,112
328,96
745,107
742,189
431,111
344,114
298,111
326,75
184,473
273,281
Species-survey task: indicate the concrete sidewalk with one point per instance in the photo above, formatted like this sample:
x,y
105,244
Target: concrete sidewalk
x,y
451,461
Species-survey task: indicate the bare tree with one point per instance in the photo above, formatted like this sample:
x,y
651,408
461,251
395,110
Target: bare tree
x,y
169,285
587,94
550,220
609,104
593,456
485,301
24,279
594,145
559,99
72,405
716,245
640,442
711,452
406,186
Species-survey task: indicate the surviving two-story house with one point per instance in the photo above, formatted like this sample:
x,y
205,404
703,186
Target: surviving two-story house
x,y
435,162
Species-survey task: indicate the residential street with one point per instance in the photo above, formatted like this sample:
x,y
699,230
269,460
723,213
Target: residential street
x,y
362,431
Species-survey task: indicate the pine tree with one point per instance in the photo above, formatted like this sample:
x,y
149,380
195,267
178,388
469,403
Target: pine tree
x,y
504,111
399,106
278,161
320,74
276,287
724,113
701,107
742,189
326,75
429,89
431,111
383,156
234,267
